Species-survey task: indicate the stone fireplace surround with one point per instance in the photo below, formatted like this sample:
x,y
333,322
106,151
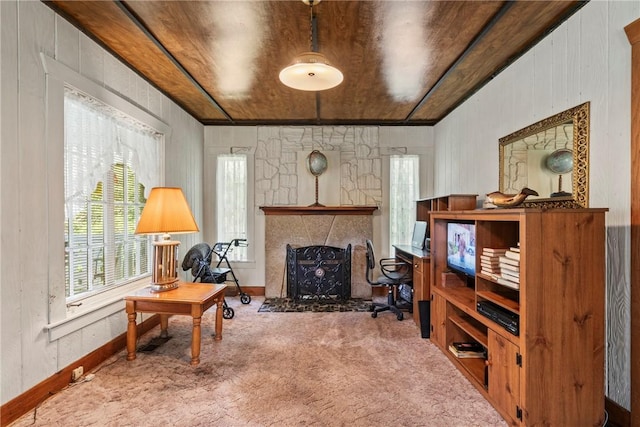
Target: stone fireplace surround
x,y
336,226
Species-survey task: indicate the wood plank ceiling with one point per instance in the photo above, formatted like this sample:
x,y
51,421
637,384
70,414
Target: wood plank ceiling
x,y
404,62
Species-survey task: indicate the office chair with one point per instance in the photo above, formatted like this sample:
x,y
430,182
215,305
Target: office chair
x,y
394,275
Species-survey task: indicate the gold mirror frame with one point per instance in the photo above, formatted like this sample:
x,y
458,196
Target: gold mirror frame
x,y
579,116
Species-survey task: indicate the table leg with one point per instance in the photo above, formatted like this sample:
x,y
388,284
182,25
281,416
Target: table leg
x,y
195,341
164,325
131,331
219,309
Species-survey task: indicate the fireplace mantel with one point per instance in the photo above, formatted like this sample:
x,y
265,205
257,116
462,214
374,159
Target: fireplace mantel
x,y
318,210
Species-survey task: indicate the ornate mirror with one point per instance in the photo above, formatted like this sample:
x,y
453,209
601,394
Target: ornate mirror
x,y
550,157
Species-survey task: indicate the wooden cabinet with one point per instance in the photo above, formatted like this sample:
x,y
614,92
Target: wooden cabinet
x,y
451,202
421,288
550,369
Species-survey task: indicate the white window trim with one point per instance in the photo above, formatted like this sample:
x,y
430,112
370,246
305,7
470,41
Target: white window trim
x,y
63,320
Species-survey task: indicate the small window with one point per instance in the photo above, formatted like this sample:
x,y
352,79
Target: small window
x,y
231,203
404,190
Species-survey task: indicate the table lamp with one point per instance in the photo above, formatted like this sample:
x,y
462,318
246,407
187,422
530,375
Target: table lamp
x,y
166,211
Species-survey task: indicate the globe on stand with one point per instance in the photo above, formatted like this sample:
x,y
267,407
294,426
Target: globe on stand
x,y
317,164
560,162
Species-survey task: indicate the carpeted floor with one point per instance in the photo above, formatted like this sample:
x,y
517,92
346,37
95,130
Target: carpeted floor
x,y
289,305
276,369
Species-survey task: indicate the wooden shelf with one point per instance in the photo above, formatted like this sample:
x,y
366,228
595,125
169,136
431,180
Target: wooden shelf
x,y
500,300
318,210
468,327
475,368
564,276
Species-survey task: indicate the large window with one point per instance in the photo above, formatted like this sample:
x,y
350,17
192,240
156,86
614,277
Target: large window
x,y
231,202
404,190
110,161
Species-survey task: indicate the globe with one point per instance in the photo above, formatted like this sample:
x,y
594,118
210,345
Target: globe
x,y
560,161
317,163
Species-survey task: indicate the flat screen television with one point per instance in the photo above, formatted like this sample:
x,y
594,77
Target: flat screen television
x,y
461,248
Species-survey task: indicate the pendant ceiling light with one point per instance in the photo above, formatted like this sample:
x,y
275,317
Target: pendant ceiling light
x,y
311,70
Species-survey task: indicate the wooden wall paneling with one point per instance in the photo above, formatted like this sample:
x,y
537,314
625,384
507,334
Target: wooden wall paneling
x,y
10,288
559,66
594,69
618,236
33,197
543,77
67,40
633,33
574,62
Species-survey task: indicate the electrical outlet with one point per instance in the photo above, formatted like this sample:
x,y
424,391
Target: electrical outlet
x,y
76,374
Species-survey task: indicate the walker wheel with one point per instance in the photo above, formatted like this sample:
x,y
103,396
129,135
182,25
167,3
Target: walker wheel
x,y
245,299
228,313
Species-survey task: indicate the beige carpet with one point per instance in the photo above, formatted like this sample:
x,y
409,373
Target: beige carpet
x,y
277,369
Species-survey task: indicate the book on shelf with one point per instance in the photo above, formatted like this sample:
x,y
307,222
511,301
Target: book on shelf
x,y
492,275
513,269
508,283
508,276
490,271
509,261
493,251
512,255
468,354
489,259
515,249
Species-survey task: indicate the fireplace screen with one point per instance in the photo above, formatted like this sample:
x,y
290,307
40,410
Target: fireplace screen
x,y
318,273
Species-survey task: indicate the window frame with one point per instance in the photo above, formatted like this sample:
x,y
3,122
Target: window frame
x,y
63,319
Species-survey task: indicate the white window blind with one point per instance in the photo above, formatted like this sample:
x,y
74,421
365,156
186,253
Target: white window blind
x,y
404,190
111,161
231,202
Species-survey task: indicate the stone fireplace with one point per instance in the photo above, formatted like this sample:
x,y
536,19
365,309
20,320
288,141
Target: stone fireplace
x,y
316,226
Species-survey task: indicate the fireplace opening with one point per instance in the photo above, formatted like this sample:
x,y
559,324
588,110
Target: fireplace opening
x,y
319,273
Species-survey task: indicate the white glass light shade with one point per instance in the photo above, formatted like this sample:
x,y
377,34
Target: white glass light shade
x,y
311,71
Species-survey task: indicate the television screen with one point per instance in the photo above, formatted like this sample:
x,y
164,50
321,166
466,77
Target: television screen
x,y
461,247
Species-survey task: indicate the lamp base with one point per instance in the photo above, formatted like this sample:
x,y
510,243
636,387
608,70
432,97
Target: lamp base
x,y
161,287
164,276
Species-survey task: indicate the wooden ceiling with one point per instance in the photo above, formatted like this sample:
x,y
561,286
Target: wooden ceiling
x,y
404,62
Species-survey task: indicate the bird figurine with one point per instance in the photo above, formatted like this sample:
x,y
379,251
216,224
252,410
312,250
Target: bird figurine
x,y
502,200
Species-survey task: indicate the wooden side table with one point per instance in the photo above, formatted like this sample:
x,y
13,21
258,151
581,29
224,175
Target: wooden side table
x,y
188,299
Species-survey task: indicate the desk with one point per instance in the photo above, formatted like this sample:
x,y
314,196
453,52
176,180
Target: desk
x,y
420,259
188,299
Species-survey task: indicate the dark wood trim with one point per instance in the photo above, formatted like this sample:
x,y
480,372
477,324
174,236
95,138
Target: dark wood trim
x,y
134,18
505,7
618,416
633,34
318,210
32,398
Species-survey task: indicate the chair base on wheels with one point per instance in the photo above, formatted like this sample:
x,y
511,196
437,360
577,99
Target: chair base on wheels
x,y
391,305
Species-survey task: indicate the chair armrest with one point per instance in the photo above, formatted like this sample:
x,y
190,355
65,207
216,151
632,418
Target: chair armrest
x,y
395,270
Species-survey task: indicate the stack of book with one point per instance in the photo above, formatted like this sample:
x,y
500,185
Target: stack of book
x,y
490,261
468,350
509,264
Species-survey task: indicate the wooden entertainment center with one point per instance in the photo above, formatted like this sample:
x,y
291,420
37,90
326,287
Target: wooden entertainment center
x,y
550,370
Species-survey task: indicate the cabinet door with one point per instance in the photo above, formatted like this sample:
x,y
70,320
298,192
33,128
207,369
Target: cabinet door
x,y
504,376
439,321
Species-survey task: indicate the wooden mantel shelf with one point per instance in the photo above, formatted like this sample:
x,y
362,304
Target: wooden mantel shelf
x,y
318,210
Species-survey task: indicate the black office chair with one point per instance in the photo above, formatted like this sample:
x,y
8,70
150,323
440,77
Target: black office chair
x,y
396,276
